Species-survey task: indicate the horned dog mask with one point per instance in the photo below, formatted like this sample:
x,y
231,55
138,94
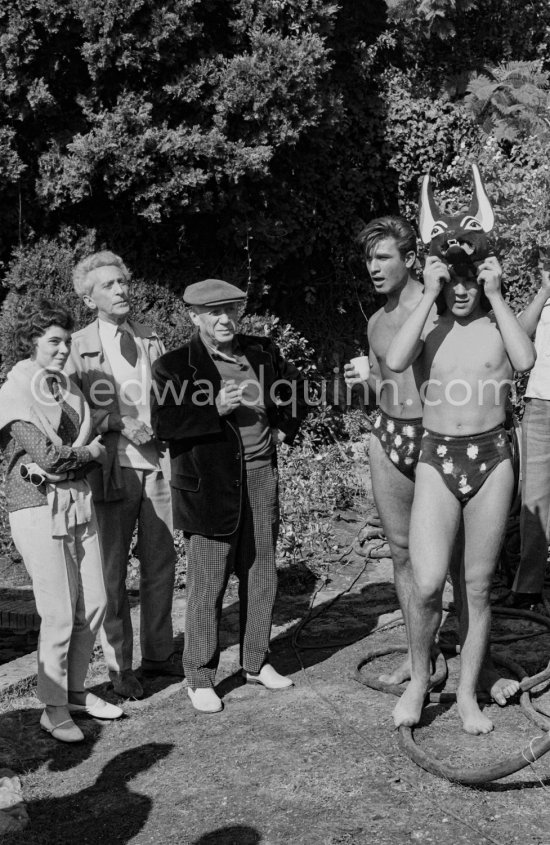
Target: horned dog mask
x,y
460,240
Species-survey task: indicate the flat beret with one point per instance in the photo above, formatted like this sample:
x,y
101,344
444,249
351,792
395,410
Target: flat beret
x,y
212,292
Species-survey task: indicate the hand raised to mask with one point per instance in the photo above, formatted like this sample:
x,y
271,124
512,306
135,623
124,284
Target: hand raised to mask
x,y
489,274
435,274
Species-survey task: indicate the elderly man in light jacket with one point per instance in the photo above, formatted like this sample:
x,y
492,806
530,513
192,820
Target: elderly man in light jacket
x,y
111,363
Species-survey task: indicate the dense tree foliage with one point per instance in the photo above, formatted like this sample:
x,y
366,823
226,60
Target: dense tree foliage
x,y
249,139
193,133
511,101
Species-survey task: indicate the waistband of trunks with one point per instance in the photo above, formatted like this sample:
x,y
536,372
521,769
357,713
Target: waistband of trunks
x,y
482,437
400,420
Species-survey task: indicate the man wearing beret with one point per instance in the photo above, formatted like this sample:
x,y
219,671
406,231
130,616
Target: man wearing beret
x,y
223,401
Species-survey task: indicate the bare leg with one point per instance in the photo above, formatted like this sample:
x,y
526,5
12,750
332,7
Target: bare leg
x,y
393,495
434,522
490,681
484,522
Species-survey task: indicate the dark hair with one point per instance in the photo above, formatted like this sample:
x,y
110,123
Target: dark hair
x,y
390,226
30,325
441,305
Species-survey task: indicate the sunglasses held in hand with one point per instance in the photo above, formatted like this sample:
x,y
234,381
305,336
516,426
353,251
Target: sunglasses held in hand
x,y
34,477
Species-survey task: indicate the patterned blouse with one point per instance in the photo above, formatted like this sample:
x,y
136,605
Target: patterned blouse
x,y
22,442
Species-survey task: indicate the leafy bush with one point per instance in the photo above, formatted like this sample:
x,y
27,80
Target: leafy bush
x,y
6,543
44,269
294,347
331,418
424,132
314,484
510,101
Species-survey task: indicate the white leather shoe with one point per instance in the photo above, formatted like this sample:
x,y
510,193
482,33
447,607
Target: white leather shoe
x,y
97,707
269,678
65,731
205,700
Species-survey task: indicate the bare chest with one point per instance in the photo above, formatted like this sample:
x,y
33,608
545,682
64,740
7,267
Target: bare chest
x,y
384,331
467,352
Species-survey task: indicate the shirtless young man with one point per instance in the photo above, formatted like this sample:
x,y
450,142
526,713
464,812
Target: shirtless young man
x,y
390,251
464,474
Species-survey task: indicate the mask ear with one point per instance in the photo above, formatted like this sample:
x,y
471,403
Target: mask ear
x,y
428,212
480,207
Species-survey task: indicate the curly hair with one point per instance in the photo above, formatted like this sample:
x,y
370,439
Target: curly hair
x,y
30,325
390,226
105,258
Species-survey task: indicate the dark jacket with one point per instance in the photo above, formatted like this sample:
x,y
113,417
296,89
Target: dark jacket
x,y
205,448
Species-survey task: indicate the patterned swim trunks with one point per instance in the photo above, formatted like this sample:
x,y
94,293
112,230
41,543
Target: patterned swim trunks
x,y
400,440
465,462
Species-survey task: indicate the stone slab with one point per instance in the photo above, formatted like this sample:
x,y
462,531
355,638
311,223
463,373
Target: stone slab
x,y
17,675
18,609
20,674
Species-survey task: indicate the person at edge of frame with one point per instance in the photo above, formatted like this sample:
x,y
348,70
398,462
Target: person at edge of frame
x,y
49,448
527,588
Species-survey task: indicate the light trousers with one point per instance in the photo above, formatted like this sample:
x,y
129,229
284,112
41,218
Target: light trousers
x,y
67,581
148,502
535,496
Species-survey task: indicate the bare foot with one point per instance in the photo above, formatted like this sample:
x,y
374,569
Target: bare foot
x,y
400,674
408,709
500,689
473,720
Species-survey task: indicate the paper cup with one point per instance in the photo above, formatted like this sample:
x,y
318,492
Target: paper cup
x,y
362,366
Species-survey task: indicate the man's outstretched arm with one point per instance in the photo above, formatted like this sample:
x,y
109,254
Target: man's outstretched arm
x,y
408,343
519,347
529,319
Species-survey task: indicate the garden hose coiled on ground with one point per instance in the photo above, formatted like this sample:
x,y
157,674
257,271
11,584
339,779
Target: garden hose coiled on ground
x,y
481,774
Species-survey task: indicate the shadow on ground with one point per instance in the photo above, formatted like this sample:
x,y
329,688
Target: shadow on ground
x,y
108,811
233,835
24,746
330,626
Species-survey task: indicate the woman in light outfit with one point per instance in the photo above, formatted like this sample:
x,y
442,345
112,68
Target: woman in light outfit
x,y
44,428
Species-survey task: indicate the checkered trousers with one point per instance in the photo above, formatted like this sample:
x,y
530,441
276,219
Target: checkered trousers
x,y
250,552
